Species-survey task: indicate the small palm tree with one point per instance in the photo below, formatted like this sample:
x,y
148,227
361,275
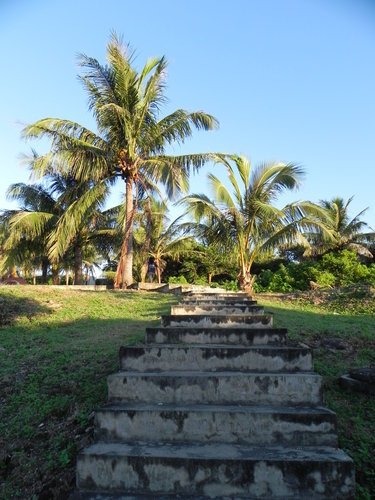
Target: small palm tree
x,y
246,219
156,238
30,226
54,219
132,139
338,231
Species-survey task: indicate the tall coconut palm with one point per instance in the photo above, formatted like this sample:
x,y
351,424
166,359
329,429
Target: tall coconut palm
x,y
132,139
246,219
341,231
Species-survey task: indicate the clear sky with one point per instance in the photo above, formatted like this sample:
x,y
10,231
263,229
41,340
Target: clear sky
x,y
289,80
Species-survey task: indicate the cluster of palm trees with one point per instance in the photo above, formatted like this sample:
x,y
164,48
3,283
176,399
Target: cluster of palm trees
x,y
62,221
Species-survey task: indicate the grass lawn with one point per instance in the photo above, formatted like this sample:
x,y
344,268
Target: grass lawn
x,y
342,333
57,346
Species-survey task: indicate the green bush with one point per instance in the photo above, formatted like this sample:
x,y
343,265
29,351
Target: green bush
x,y
110,276
230,286
324,279
333,270
345,267
177,280
200,281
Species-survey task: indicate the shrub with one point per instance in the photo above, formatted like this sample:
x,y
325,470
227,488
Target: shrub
x,y
177,280
333,270
230,285
200,281
345,267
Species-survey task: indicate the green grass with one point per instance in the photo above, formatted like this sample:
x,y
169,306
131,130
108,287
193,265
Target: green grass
x,y
56,349
350,322
57,346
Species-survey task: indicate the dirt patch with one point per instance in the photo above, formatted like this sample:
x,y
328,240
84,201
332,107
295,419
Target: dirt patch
x,y
24,461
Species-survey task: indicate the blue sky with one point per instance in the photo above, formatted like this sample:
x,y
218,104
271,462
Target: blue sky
x,y
290,80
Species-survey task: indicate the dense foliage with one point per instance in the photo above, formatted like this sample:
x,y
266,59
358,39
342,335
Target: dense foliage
x,y
335,269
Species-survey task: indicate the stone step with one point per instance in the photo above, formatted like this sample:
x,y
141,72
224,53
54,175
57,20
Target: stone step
x,y
216,470
206,335
217,295
232,301
255,425
222,321
227,309
215,358
216,387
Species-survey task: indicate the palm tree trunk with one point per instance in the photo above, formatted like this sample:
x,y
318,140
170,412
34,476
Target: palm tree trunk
x,y
77,264
144,269
209,278
12,272
158,271
55,274
124,273
45,265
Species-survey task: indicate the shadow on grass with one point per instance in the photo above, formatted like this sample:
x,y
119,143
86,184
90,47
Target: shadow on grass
x,y
13,308
54,379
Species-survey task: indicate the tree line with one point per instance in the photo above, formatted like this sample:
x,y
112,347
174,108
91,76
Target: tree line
x,y
62,222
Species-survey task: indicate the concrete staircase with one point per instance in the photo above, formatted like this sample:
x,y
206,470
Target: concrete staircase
x,y
215,405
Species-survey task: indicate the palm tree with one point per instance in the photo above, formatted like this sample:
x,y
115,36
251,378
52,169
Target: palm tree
x,y
341,231
29,227
246,220
157,238
54,220
132,139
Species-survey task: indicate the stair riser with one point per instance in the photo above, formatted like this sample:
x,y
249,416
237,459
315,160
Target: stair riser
x,y
220,302
230,336
217,297
302,389
215,427
216,478
216,309
225,321
215,358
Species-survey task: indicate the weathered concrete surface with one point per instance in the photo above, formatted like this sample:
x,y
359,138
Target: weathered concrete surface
x,y
219,387
205,335
357,385
218,295
227,309
216,358
255,425
216,470
233,301
223,321
225,414
366,374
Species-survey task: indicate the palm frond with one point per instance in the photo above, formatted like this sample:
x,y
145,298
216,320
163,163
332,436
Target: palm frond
x,y
74,218
220,192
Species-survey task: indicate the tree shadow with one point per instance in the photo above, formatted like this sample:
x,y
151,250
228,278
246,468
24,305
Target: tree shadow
x,y
13,308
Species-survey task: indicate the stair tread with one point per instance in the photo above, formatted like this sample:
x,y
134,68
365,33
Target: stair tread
x,y
217,408
221,316
208,374
217,452
239,348
227,330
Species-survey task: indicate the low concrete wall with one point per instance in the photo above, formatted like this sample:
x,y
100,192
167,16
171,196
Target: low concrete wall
x,y
95,288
